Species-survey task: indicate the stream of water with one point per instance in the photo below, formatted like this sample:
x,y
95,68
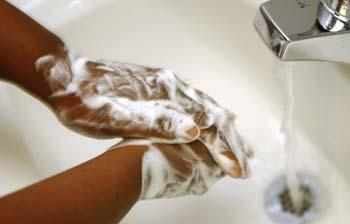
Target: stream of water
x,y
284,73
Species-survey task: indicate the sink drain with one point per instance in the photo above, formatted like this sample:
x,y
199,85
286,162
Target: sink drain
x,y
288,206
280,206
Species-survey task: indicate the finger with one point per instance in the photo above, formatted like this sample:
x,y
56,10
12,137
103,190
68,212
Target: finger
x,y
223,155
230,164
237,146
188,105
195,94
247,147
193,109
199,152
129,120
188,98
160,124
228,161
196,109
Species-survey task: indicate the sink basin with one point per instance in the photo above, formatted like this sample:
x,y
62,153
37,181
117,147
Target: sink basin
x,y
213,45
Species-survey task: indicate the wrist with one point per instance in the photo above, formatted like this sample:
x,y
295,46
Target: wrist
x,y
128,160
53,70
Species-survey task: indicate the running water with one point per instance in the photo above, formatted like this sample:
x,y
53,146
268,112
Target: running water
x,y
284,73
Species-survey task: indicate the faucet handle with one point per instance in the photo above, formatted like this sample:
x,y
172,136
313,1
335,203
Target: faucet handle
x,y
334,15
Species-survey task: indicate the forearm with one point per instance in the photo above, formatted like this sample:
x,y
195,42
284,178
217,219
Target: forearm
x,y
22,42
100,191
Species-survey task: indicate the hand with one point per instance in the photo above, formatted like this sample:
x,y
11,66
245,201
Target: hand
x,y
228,148
175,170
189,169
105,99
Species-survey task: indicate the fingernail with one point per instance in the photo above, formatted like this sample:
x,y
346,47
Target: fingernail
x,y
192,133
236,171
250,153
187,130
247,148
240,172
231,166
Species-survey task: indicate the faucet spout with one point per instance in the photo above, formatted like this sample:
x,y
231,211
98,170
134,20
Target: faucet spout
x,y
306,29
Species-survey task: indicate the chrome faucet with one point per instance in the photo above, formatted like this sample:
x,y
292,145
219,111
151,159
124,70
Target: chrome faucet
x,y
306,29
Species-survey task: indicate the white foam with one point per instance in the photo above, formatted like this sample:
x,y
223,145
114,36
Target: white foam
x,y
144,106
161,179
142,96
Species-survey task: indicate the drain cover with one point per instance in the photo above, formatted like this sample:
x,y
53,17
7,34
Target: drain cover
x,y
306,203
280,207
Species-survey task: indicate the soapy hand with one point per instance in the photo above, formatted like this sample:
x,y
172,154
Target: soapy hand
x,y
104,99
175,170
228,148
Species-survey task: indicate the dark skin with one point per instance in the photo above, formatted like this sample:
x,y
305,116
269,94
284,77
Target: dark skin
x,y
101,190
89,193
31,41
23,41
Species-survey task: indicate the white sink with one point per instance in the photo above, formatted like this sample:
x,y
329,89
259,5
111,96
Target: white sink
x,y
213,44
